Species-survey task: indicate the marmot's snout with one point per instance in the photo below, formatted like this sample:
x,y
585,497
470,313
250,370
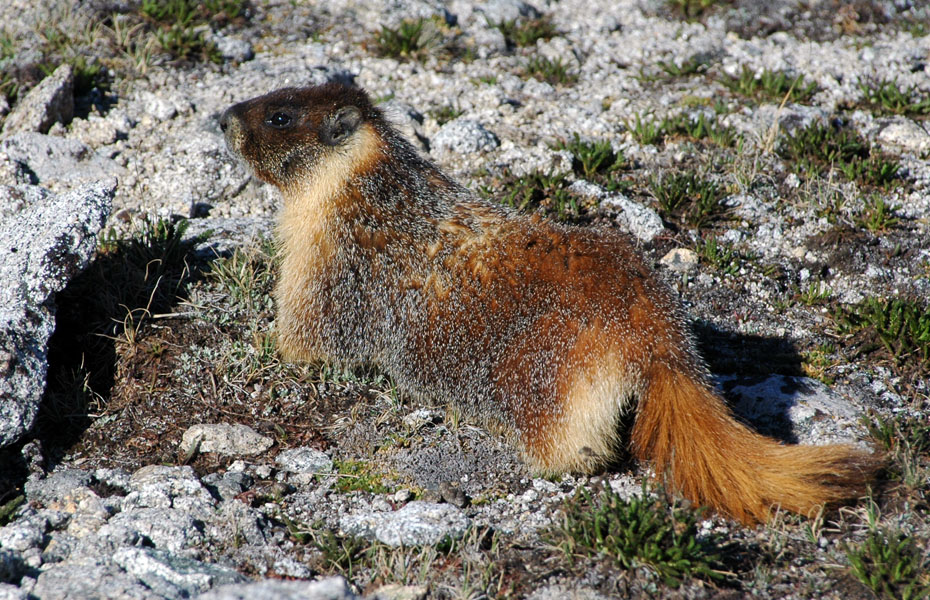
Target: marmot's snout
x,y
224,120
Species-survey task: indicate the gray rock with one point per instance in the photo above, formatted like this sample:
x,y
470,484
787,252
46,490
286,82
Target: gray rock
x,y
641,221
43,246
463,136
56,485
13,172
304,460
11,592
23,534
903,134
560,591
173,577
167,529
800,409
156,486
193,169
227,485
680,260
416,524
83,581
233,49
52,101
225,439
58,161
524,161
497,11
489,40
96,131
422,417
396,591
235,522
331,588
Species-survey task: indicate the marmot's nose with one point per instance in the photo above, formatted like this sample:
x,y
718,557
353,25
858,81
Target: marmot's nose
x,y
224,120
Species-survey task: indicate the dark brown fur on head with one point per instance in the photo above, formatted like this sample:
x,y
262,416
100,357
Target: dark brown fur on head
x,y
283,135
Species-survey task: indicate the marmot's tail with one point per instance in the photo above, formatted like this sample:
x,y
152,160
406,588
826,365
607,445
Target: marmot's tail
x,y
687,432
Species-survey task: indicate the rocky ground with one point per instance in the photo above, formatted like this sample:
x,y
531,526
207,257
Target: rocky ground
x,y
769,158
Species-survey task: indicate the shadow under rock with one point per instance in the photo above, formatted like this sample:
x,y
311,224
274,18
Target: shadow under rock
x,y
129,281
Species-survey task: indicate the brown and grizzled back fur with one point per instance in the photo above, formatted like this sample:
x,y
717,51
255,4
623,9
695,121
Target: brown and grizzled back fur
x,y
551,331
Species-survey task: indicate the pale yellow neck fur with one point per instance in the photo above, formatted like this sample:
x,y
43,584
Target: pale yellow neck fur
x,y
311,202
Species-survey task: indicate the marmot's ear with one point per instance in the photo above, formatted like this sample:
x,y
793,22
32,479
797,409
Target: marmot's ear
x,y
337,127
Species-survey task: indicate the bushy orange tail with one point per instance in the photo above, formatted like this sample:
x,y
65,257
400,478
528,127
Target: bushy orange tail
x,y
687,432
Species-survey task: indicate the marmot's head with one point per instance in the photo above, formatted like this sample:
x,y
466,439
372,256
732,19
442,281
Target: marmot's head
x,y
284,136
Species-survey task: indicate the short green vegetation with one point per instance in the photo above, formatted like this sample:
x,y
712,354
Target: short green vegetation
x,y
891,564
692,66
404,41
815,294
640,532
647,130
354,475
887,97
595,161
878,215
719,255
818,361
900,327
550,71
906,439
141,274
8,509
537,191
122,42
419,39
817,148
771,86
694,9
525,32
445,114
247,275
688,199
178,25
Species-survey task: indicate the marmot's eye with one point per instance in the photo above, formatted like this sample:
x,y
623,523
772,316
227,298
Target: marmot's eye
x,y
278,120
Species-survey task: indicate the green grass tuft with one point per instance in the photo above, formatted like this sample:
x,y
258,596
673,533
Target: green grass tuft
x,y
817,148
523,33
537,191
354,475
178,25
642,531
693,10
403,41
554,72
247,275
906,439
593,159
900,327
770,85
887,97
878,215
647,130
693,66
719,255
688,198
892,565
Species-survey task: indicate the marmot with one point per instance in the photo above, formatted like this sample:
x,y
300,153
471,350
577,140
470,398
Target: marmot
x,y
549,330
